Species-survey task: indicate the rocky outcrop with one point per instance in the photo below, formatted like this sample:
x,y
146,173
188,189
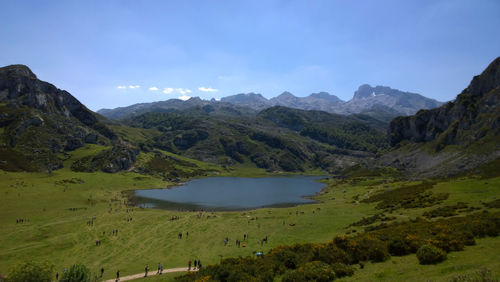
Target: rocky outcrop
x,y
19,87
456,137
113,160
119,158
474,113
41,122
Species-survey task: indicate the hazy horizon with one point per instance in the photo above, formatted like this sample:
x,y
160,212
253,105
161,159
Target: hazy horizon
x,y
117,53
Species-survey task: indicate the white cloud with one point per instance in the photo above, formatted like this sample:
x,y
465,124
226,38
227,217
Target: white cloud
x,y
154,88
134,86
168,90
184,97
207,89
121,87
183,90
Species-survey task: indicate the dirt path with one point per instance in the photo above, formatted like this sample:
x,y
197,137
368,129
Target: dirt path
x,y
152,273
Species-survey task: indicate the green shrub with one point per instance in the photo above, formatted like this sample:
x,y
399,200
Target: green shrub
x,y
311,271
32,272
399,247
76,273
447,242
342,270
370,248
331,254
429,254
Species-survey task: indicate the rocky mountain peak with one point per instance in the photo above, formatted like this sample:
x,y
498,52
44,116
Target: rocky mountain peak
x,y
325,96
244,97
487,81
286,94
363,91
18,70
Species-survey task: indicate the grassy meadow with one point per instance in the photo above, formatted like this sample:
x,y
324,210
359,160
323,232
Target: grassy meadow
x,y
56,209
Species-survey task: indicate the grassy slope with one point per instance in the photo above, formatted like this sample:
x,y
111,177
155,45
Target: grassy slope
x,y
62,236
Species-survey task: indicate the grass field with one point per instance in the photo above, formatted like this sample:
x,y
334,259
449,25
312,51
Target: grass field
x,y
56,209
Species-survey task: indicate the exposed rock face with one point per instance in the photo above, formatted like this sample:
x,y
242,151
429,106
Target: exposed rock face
x,y
40,121
120,158
471,124
19,87
405,103
474,109
73,144
91,138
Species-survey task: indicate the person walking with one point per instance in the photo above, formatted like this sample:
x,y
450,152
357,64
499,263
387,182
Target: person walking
x,y
189,265
102,271
118,275
146,271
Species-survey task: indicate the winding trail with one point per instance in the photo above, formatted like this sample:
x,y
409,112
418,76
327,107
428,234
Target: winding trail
x,y
152,273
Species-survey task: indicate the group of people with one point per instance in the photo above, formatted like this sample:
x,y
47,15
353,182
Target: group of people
x,y
197,265
245,238
262,241
179,236
158,272
22,220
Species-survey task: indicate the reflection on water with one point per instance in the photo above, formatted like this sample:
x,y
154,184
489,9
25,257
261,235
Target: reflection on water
x,y
232,193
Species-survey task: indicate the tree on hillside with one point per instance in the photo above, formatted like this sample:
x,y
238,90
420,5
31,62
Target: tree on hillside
x,y
77,273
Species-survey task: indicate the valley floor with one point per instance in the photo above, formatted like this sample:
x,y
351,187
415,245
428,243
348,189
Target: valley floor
x,y
59,217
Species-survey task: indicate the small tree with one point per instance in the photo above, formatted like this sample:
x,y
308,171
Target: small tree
x,y
77,273
31,271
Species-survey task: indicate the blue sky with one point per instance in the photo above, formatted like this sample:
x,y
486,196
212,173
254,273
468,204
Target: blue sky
x,y
96,50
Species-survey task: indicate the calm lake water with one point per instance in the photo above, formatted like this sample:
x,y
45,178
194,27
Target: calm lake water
x,y
232,193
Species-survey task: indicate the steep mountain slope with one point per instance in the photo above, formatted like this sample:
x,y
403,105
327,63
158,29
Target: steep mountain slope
x,y
346,132
39,123
457,136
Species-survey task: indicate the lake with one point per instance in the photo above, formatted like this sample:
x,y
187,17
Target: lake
x,y
232,193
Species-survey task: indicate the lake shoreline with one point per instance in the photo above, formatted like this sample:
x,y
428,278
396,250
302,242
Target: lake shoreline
x,y
135,198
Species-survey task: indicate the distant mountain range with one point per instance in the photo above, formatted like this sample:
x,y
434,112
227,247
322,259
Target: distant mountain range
x,y
381,102
41,126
